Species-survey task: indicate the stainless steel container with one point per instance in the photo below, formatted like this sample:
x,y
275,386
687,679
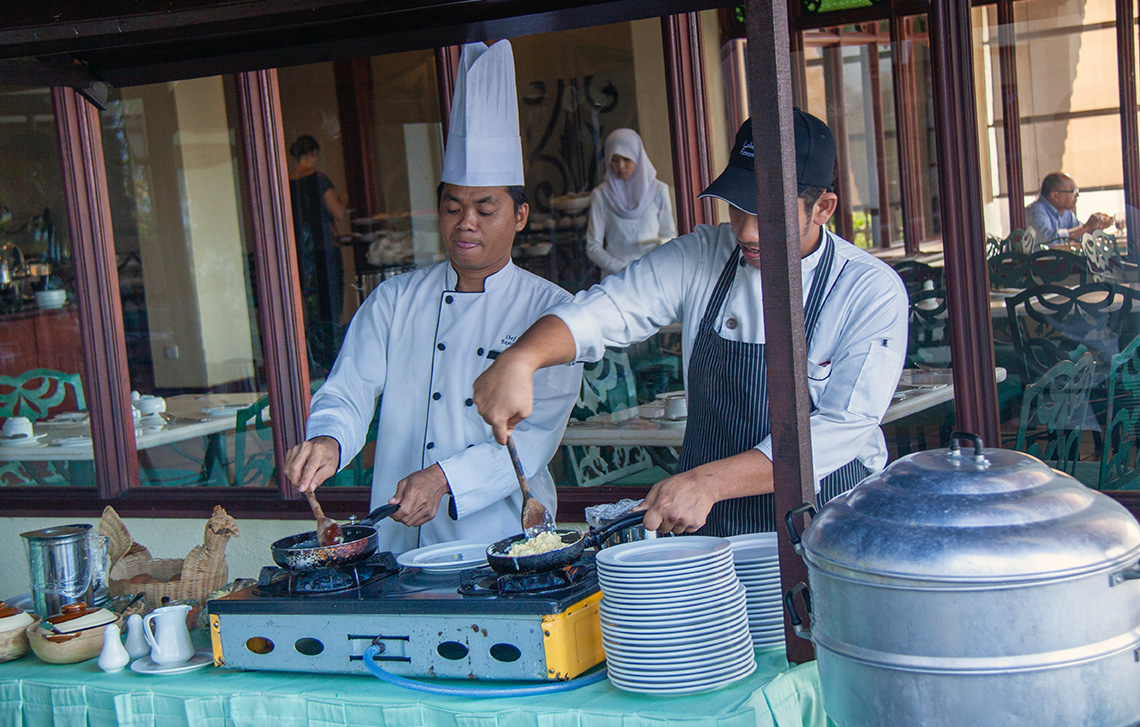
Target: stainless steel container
x,y
976,587
60,566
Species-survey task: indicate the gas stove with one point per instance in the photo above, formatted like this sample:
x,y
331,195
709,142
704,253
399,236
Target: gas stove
x,y
472,624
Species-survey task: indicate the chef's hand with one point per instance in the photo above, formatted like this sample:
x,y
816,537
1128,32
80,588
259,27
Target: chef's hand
x,y
504,394
679,504
418,496
310,463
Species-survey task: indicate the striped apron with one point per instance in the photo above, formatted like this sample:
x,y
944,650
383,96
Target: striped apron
x,y
728,405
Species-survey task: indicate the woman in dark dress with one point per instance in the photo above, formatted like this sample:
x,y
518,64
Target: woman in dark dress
x,y
315,206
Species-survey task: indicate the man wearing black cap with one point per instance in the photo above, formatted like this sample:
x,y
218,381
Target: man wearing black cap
x,y
855,318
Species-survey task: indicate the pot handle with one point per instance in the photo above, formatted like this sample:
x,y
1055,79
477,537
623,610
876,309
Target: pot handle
x,y
804,632
956,451
378,514
619,523
804,508
1131,573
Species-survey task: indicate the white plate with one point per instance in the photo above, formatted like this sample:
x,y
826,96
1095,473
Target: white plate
x,y
446,557
678,638
639,670
667,651
717,563
222,410
663,551
644,623
76,441
620,588
683,686
677,605
21,441
665,579
199,660
71,417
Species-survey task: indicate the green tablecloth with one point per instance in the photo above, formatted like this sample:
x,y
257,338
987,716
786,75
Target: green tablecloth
x,y
35,694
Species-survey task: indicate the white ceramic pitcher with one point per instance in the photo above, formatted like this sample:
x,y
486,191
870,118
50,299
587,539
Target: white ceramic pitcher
x,y
165,630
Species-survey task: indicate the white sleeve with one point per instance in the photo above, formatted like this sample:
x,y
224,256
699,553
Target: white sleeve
x,y
632,305
343,407
861,376
482,475
595,236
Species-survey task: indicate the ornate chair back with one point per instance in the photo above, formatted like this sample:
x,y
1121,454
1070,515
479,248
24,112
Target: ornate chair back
x,y
915,274
607,386
1119,464
36,393
1050,323
1055,413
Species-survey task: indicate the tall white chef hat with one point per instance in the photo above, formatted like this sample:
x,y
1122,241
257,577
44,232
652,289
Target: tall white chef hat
x,y
483,144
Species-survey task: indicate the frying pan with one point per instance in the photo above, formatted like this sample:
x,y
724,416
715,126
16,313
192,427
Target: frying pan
x,y
575,544
301,552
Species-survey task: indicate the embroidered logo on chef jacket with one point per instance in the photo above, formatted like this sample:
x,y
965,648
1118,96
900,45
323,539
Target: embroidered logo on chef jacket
x,y
508,340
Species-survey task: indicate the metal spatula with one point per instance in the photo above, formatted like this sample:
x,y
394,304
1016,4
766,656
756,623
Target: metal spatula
x,y
535,517
328,530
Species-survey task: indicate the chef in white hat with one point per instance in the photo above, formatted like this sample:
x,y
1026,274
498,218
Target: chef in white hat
x,y
420,339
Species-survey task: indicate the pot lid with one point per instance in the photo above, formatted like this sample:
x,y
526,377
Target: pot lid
x,y
974,514
58,532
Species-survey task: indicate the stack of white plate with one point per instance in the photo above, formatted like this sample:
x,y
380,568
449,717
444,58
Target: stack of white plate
x,y
674,616
758,567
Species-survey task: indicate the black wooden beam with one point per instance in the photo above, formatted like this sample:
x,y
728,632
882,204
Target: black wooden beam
x,y
963,233
770,104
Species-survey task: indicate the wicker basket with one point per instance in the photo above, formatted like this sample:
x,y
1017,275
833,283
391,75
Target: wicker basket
x,y
196,576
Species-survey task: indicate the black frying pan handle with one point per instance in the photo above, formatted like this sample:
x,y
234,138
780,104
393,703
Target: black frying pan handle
x,y
616,525
378,514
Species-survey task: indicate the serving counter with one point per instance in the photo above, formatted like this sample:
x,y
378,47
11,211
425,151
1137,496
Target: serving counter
x,y
35,694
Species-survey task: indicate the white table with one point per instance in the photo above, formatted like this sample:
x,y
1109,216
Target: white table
x,y
186,420
918,390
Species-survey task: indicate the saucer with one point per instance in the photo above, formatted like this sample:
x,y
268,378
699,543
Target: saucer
x,y
76,441
145,665
21,441
222,410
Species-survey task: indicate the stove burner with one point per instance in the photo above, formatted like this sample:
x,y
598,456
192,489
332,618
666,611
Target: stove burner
x,y
556,583
275,581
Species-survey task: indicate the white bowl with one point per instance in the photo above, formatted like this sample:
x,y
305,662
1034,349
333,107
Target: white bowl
x,y
571,204
51,298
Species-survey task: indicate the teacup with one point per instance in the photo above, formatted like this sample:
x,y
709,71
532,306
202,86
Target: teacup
x,y
17,427
148,405
676,407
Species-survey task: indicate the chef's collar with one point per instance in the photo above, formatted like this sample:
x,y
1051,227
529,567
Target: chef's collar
x,y
495,281
809,263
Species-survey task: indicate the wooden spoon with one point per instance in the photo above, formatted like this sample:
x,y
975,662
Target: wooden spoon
x,y
328,530
535,517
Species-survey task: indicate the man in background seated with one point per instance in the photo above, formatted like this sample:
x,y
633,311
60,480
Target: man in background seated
x,y
1053,217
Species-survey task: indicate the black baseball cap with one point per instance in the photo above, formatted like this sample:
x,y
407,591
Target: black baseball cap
x,y
815,163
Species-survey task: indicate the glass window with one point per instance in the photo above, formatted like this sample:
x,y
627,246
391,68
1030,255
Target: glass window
x,y
41,354
194,356
608,77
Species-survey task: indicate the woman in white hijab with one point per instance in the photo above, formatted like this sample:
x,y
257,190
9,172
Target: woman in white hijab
x,y
630,212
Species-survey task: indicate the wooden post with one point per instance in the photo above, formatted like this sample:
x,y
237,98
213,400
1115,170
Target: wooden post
x,y
770,102
883,188
106,383
963,234
1129,134
354,105
278,287
1011,115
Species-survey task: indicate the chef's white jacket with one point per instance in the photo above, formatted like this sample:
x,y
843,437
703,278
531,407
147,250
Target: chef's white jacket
x,y
421,345
613,241
857,351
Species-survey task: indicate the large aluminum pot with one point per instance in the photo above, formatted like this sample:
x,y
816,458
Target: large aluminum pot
x,y
976,587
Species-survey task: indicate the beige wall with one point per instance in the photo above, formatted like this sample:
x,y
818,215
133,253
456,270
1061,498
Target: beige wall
x,y
190,234
308,106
